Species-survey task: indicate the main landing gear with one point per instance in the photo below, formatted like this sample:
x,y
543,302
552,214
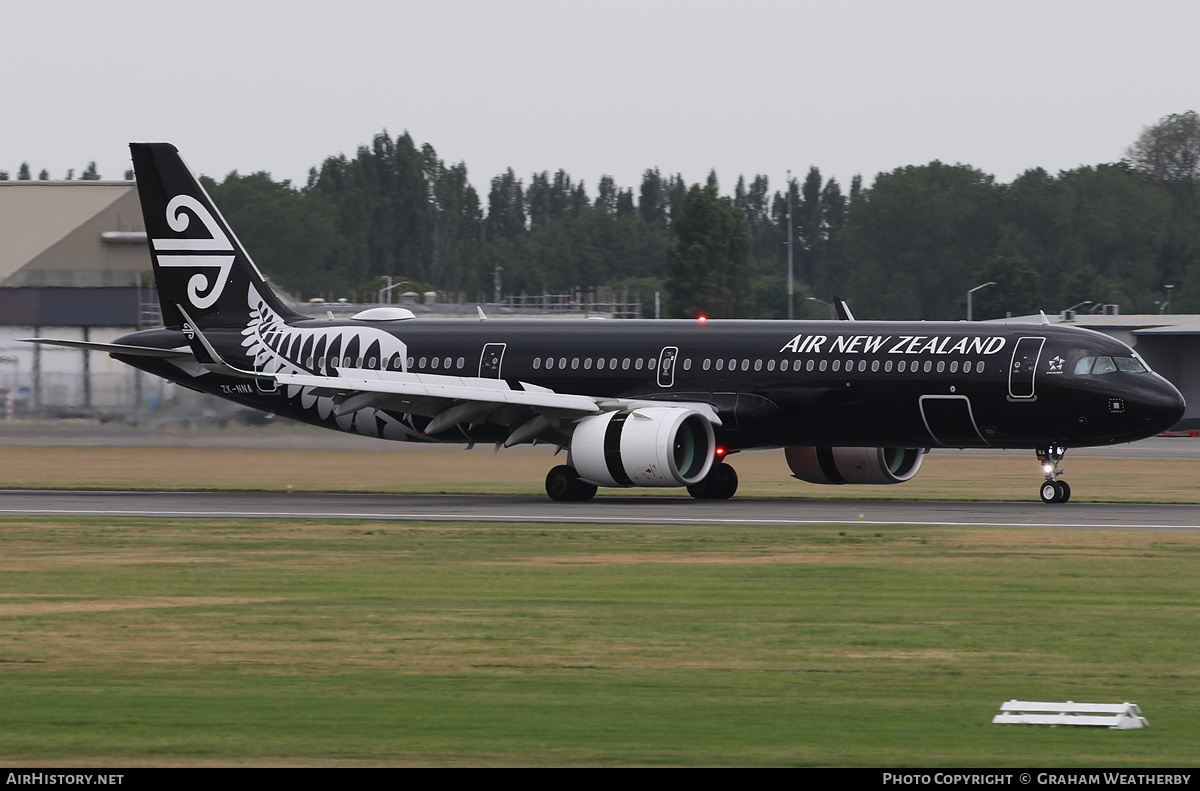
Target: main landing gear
x,y
1053,490
563,484
720,484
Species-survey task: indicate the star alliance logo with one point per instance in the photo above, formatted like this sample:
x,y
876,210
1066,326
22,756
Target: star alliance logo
x,y
1056,365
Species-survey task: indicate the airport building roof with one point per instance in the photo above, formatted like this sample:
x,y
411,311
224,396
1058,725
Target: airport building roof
x,y
71,233
1135,323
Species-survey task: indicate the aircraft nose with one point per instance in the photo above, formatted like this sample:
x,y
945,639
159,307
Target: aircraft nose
x,y
1162,404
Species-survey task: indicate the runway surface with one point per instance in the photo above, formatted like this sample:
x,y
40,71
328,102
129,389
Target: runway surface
x,y
602,510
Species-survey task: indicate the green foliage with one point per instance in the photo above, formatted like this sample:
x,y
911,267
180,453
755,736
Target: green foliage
x,y
289,233
915,237
708,272
1169,151
907,246
1017,290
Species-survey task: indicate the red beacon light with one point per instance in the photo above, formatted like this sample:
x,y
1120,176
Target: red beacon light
x,y
702,319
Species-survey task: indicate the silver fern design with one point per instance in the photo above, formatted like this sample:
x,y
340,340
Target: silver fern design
x,y
274,347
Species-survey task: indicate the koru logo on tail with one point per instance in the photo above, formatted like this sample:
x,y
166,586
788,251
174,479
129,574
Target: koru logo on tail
x,y
215,252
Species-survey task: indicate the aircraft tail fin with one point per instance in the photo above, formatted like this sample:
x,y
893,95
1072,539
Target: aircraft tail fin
x,y
199,265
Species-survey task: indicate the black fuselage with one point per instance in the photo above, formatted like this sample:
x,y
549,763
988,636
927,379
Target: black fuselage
x,y
772,383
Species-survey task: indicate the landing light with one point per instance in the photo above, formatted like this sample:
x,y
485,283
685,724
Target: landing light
x,y
1047,467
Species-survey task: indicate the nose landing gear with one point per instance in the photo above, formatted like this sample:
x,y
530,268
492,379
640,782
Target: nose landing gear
x,y
1053,490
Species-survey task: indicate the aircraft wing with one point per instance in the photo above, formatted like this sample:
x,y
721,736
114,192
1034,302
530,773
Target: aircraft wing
x,y
465,388
450,400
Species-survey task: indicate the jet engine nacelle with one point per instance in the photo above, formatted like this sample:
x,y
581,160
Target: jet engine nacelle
x,y
648,446
854,465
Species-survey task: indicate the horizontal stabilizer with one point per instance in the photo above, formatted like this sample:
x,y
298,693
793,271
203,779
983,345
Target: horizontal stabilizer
x,y
114,348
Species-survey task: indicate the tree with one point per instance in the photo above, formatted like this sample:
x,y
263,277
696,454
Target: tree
x,y
383,210
457,225
90,173
708,271
914,238
1168,155
1169,151
289,233
1017,290
506,207
23,173
652,202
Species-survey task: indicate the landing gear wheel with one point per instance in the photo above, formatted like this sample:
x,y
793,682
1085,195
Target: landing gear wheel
x,y
563,485
1055,492
721,483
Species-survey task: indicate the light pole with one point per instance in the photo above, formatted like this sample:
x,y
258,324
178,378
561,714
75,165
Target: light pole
x,y
832,309
1169,289
972,291
791,293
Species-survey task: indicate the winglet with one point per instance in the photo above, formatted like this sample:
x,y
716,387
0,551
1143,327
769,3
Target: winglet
x,y
482,315
843,310
1045,320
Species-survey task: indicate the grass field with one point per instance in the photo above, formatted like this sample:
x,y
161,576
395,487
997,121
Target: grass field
x,y
194,642
523,470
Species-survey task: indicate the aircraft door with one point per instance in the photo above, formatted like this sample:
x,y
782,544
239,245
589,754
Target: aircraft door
x,y
260,384
1024,366
951,422
490,360
666,366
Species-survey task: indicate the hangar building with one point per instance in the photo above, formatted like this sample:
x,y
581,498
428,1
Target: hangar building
x,y
74,264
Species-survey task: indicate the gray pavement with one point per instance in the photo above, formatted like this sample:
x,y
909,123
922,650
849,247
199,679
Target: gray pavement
x,y
603,510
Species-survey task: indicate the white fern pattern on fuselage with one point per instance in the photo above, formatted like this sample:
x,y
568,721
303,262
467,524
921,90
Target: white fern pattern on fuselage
x,y
275,347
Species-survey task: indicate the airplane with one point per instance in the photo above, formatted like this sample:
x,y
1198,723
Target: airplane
x,y
650,403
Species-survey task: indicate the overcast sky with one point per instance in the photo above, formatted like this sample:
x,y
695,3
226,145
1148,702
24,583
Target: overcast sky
x,y
595,87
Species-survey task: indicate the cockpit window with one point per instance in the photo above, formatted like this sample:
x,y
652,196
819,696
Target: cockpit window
x,y
1084,365
1104,365
1131,364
